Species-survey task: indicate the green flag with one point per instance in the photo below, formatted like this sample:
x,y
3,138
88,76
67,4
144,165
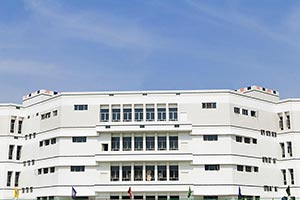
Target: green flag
x,y
189,193
288,191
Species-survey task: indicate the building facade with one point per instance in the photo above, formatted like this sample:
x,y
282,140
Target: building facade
x,y
158,143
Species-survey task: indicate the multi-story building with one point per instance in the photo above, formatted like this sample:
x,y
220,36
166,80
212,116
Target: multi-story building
x,y
158,143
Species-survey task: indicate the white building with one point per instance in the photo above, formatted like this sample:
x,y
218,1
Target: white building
x,y
159,143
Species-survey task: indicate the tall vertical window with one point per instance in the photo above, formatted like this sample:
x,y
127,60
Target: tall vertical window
x,y
281,122
173,116
150,114
150,143
127,114
10,151
282,150
12,125
162,143
17,175
114,173
126,143
138,114
19,148
162,173
20,126
173,142
104,114
173,172
288,121
8,180
284,176
116,114
126,173
289,148
161,114
138,143
138,173
115,143
150,173
292,176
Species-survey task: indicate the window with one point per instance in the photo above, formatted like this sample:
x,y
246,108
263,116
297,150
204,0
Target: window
x,y
240,168
127,115
20,126
255,169
126,143
78,139
282,150
247,140
104,147
18,156
45,170
159,197
55,113
41,143
115,143
53,140
292,176
126,173
288,121
254,141
8,181
114,173
150,173
210,137
173,172
17,175
138,173
150,197
212,167
113,197
32,162
248,169
52,169
81,107
10,152
12,125
150,114
104,114
150,144
236,110
284,176
116,114
274,134
39,171
289,148
161,114
138,114
268,133
238,138
262,132
173,142
173,116
46,116
244,111
47,142
281,122
161,143
209,105
174,197
77,168
138,143
253,113
162,173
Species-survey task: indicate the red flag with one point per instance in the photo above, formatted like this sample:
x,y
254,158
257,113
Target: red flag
x,y
130,193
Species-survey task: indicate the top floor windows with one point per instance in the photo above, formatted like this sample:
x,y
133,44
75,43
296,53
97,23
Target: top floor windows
x,y
104,114
288,121
45,115
127,114
209,105
138,114
116,114
210,137
237,110
81,107
12,125
20,126
78,139
173,116
244,111
281,122
161,114
150,114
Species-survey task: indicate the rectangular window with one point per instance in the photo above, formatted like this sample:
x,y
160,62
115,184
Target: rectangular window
x,y
55,113
104,114
288,121
78,139
138,114
281,122
255,169
47,142
53,140
114,173
127,115
8,181
212,167
150,114
240,168
52,169
173,142
262,132
160,197
254,141
115,144
41,143
18,156
236,110
173,173
81,107
289,149
39,171
138,173
12,125
116,114
77,168
173,116
244,111
46,116
292,176
210,137
45,170
248,168
209,105
126,143
174,197
162,173
284,176
150,173
20,126
161,114
112,197
150,144
238,139
253,113
162,143
10,152
138,143
282,150
126,173
17,175
247,140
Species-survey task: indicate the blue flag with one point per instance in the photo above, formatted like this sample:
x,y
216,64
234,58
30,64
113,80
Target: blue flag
x,y
240,193
74,192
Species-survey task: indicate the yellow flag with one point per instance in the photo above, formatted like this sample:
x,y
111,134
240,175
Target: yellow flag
x,y
16,193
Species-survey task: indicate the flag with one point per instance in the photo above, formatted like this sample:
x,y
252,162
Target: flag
x,y
240,193
189,193
74,192
288,191
130,193
16,193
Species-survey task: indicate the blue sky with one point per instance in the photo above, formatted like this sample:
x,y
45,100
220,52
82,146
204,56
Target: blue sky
x,y
97,45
